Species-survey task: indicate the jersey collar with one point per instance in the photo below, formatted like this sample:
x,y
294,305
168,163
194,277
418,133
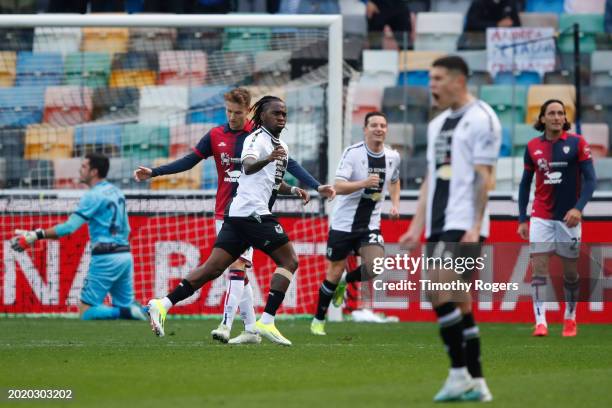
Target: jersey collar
x,y
275,139
562,137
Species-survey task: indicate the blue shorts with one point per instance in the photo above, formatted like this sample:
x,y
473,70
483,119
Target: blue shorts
x,y
110,273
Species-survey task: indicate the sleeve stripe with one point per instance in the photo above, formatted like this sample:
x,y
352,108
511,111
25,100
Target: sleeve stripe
x,y
341,178
82,216
249,155
199,153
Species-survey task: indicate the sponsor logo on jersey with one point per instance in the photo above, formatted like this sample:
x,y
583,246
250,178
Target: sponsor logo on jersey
x,y
537,152
222,144
232,176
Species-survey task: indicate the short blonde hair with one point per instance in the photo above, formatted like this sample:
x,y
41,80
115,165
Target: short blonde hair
x,y
241,96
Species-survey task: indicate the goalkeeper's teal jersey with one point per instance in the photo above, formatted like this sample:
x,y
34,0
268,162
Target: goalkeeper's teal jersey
x,y
103,207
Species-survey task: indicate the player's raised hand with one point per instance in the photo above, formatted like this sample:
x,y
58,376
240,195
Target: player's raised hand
x,y
523,230
24,239
277,154
143,173
328,191
572,217
372,181
410,240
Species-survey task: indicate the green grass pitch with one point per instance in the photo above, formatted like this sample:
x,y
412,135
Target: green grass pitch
x,y
121,364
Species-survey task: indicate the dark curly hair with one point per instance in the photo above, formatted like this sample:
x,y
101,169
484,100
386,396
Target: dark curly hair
x,y
539,126
259,106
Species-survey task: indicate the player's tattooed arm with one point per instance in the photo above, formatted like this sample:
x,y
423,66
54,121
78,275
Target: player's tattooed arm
x,y
251,165
285,188
482,181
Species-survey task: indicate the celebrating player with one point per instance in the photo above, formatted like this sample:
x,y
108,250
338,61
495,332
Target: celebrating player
x,y
111,269
225,143
565,181
367,170
249,221
462,147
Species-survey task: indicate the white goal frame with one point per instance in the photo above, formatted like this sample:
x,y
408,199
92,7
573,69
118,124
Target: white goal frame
x,y
333,23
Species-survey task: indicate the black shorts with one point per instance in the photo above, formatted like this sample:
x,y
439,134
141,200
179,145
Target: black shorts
x,y
239,233
446,245
341,243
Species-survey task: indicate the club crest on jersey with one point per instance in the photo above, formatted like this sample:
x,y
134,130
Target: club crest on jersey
x,y
278,228
226,160
566,149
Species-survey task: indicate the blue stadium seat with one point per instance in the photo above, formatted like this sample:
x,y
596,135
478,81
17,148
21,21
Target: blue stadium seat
x,y
206,104
505,149
523,78
413,78
12,141
39,69
209,175
544,6
21,106
22,173
99,138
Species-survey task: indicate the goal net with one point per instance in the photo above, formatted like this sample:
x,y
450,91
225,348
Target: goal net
x,y
144,94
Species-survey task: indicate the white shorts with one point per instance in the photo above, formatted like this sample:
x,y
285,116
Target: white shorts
x,y
246,256
552,236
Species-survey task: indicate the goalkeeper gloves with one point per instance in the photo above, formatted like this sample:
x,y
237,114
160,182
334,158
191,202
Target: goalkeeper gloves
x,y
26,238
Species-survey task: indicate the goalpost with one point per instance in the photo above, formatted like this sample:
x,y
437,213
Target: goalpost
x,y
143,89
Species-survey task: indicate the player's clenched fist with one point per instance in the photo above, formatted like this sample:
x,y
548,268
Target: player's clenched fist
x,y
26,238
372,181
277,154
142,173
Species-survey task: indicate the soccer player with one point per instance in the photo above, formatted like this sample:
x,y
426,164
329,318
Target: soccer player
x,y
462,147
565,181
111,269
249,222
366,171
225,143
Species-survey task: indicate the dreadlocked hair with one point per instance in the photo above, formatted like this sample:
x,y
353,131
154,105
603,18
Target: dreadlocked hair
x,y
259,107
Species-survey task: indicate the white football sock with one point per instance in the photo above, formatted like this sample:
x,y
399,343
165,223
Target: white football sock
x,y
247,309
167,303
233,296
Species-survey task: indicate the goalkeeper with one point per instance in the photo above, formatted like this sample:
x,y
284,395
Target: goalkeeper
x,y
112,268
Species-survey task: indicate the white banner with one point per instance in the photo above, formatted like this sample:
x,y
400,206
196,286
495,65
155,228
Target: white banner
x,y
520,49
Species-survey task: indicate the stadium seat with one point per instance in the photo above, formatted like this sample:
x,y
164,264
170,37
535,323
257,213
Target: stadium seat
x,y
508,102
183,138
586,7
112,104
272,68
121,170
598,137
505,150
405,104
414,67
508,173
401,137
97,138
538,94
21,106
230,67
420,140
319,7
479,78
545,6
303,140
438,31
64,40
538,20
40,69
525,78
413,172
308,58
66,173
16,39
8,61
523,133
134,69
48,142
182,68
455,6
18,6
590,26
306,104
152,39
145,141
559,77
206,104
87,69
366,99
105,39
22,173
199,38
252,39
472,40
380,67
12,141
603,171
475,59
165,104
354,21
601,68
597,105
251,6
68,105
2,172
186,180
